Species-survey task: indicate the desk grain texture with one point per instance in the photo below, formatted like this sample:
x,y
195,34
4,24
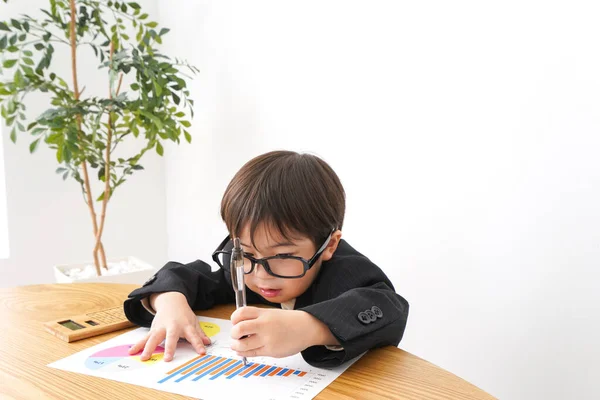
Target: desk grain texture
x,y
26,349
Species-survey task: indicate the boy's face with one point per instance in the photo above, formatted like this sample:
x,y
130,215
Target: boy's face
x,y
270,242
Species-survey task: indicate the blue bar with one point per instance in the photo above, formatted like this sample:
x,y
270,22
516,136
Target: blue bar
x,y
183,369
214,368
267,372
225,370
254,370
199,368
283,371
244,370
296,373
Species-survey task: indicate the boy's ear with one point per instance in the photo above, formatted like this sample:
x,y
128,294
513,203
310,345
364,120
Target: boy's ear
x,y
332,245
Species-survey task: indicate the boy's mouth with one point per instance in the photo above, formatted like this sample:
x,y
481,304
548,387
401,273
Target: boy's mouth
x,y
269,292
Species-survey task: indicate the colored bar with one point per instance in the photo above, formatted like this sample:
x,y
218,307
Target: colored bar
x,y
283,371
276,371
259,366
203,366
207,367
224,366
237,363
186,364
240,371
297,373
203,363
175,372
302,373
289,372
260,371
235,369
267,372
211,370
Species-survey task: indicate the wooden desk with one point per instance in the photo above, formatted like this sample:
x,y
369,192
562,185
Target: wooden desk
x,y
26,349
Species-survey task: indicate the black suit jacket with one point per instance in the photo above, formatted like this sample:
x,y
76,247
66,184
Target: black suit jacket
x,y
350,295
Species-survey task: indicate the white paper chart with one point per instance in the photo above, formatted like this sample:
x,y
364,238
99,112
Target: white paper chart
x,y
217,375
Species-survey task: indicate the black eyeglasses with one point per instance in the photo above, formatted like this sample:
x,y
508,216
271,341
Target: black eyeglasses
x,y
281,265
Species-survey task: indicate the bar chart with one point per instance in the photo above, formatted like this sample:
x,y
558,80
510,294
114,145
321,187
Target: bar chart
x,y
218,374
212,367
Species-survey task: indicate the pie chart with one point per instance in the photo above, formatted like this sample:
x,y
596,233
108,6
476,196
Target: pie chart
x,y
118,358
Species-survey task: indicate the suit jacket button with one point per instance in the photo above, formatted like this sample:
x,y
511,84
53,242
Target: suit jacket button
x,y
364,318
377,311
371,315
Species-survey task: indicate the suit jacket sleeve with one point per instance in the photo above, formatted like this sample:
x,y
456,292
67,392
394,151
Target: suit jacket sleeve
x,y
357,302
202,287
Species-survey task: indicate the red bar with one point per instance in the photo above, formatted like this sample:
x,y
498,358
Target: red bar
x,y
276,371
291,371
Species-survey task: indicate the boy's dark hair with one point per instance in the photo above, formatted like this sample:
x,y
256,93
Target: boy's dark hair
x,y
288,191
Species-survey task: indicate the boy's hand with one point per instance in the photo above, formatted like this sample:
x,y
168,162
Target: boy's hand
x,y
174,319
276,333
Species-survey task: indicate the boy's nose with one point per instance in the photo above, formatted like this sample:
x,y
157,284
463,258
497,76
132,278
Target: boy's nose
x,y
261,272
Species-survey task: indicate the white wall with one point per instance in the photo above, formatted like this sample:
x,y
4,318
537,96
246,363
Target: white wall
x,y
48,220
466,135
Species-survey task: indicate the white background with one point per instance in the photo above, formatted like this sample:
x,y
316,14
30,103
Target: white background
x,y
48,221
465,134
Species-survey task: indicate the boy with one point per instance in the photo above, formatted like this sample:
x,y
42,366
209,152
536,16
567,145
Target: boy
x,y
333,303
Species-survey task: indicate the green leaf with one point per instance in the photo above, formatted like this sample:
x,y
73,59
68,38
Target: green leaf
x,y
9,63
188,137
133,5
152,24
164,31
13,135
3,42
4,27
39,46
28,61
159,149
33,146
15,23
28,53
185,123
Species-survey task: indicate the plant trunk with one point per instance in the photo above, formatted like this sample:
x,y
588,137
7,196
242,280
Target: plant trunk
x,y
86,178
107,159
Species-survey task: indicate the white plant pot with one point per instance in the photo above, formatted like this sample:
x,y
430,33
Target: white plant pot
x,y
139,274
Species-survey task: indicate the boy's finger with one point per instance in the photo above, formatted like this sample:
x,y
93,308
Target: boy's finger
x,y
205,339
245,313
139,345
252,353
171,344
245,328
153,341
193,336
250,343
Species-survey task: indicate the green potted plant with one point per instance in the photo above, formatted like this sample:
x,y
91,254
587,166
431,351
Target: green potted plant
x,y
147,98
